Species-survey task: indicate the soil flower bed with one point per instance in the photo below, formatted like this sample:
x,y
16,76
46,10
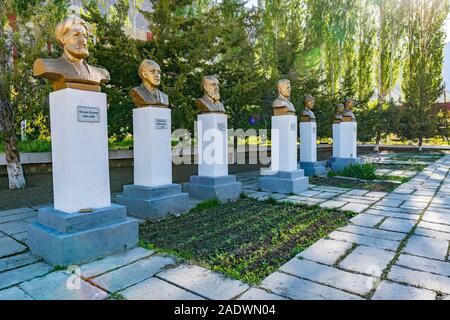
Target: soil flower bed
x,y
247,239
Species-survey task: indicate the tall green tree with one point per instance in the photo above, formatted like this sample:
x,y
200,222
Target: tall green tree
x,y
422,71
24,37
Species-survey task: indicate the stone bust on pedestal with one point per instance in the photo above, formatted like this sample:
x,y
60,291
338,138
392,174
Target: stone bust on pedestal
x,y
210,102
347,115
148,94
307,113
71,69
282,106
338,113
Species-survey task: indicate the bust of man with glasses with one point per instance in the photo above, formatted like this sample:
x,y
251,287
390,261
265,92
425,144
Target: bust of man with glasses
x,y
148,94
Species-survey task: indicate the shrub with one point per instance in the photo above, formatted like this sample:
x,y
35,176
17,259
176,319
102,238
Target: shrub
x,y
364,171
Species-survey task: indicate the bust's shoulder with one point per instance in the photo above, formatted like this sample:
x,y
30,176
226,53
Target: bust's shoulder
x,y
50,68
137,94
202,104
279,103
101,73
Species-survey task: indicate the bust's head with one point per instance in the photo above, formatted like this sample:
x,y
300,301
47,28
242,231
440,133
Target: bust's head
x,y
284,88
349,104
309,102
72,35
210,88
150,73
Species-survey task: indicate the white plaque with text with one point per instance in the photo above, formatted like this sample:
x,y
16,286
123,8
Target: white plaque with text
x,y
160,124
88,114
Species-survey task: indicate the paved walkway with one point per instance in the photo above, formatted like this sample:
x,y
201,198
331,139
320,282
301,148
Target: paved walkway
x,y
396,248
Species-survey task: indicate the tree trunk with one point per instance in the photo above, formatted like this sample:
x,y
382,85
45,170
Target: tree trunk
x,y
420,144
377,143
14,167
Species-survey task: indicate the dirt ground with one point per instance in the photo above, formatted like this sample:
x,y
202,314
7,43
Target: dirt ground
x,y
40,185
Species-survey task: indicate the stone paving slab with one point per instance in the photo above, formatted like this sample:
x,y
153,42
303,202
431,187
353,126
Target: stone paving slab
x,y
22,237
433,234
434,226
62,286
357,192
15,211
356,201
9,247
204,282
259,294
420,279
95,268
156,289
383,234
436,217
414,205
365,240
427,247
367,260
330,276
131,274
396,210
383,213
300,289
394,291
424,264
19,216
326,251
399,225
366,220
14,293
390,203
332,204
13,227
16,276
16,261
355,207
326,195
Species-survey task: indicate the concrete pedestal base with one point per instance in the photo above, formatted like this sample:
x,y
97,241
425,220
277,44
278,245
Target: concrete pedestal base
x,y
63,238
339,164
313,169
152,203
293,182
223,188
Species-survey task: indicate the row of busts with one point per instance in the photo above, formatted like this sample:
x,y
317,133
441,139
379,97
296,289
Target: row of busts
x,y
283,106
72,71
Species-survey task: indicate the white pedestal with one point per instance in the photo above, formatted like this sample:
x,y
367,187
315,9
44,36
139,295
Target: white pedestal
x,y
79,134
344,140
212,145
152,147
308,142
284,143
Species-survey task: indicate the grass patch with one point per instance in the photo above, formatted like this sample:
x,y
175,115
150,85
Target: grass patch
x,y
366,171
408,167
425,157
246,240
384,186
31,146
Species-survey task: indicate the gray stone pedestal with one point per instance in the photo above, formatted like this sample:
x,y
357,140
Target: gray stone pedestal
x,y
339,164
224,188
313,169
152,203
63,238
293,182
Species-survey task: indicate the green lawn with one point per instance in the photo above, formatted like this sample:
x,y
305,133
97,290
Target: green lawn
x,y
247,239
